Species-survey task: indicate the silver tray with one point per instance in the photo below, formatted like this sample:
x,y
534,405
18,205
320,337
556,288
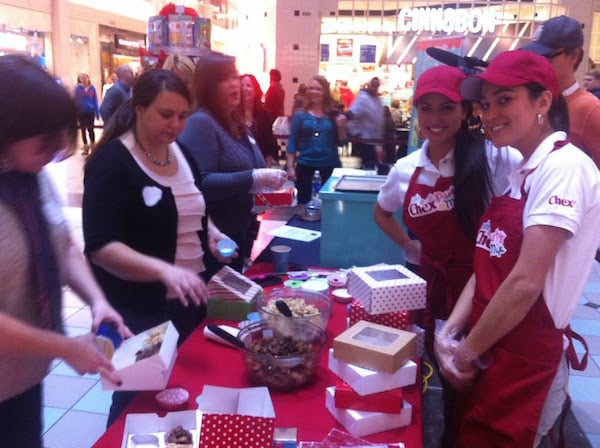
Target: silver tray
x,y
360,184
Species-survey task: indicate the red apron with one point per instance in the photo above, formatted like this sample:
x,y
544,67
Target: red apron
x,y
447,253
503,407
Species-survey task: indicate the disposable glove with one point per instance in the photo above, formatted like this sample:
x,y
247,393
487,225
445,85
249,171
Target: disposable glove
x,y
266,179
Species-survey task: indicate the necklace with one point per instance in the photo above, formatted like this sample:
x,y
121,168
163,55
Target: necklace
x,y
150,157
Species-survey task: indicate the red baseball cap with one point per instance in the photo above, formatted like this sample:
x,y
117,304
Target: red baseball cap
x,y
513,68
441,79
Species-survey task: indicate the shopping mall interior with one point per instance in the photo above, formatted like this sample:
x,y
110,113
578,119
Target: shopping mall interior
x,y
348,42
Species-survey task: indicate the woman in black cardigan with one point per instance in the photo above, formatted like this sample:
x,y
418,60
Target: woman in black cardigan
x,y
144,218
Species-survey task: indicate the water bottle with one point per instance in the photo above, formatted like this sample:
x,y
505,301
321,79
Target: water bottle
x,y
316,184
313,208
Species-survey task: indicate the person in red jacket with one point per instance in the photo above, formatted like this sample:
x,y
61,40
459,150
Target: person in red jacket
x,y
275,96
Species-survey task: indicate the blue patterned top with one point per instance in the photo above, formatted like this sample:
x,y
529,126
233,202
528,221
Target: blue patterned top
x,y
315,139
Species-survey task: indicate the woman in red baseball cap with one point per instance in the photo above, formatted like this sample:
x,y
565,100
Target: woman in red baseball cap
x,y
507,344
442,189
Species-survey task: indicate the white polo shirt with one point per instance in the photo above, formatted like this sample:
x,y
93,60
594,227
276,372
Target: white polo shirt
x,y
392,195
564,192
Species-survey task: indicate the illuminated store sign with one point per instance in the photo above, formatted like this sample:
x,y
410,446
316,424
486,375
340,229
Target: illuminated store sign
x,y
448,20
13,41
123,42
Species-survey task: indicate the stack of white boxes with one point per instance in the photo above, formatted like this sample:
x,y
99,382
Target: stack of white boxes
x,y
372,361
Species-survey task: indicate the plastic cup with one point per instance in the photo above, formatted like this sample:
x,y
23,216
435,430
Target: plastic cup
x,y
226,248
108,339
280,255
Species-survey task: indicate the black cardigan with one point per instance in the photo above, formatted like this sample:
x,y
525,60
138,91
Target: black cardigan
x,y
114,209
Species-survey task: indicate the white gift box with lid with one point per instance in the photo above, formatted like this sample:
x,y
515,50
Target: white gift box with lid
x,y
363,423
368,381
386,288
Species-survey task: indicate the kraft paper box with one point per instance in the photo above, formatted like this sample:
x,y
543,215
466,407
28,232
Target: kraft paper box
x,y
231,295
231,415
375,346
146,429
362,423
397,319
389,402
387,288
366,381
145,361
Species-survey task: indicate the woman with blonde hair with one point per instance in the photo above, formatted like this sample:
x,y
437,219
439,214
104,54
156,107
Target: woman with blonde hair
x,y
315,133
87,110
182,66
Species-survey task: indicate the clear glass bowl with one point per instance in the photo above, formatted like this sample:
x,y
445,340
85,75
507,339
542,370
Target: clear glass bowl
x,y
282,355
306,305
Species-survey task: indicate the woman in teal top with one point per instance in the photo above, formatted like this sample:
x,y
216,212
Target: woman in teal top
x,y
315,133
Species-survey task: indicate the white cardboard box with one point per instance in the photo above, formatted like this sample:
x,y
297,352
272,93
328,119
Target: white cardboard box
x,y
144,426
367,381
233,414
362,423
387,288
139,372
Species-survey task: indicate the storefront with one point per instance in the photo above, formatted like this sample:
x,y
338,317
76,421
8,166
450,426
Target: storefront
x,y
26,42
390,43
118,47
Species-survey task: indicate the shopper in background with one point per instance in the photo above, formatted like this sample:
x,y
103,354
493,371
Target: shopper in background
x,y
275,96
183,67
38,118
299,98
110,81
231,165
144,218
87,110
507,344
442,189
389,133
591,82
118,94
315,133
560,40
257,118
366,121
346,94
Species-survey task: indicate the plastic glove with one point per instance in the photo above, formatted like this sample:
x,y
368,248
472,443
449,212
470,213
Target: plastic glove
x,y
266,179
412,251
444,348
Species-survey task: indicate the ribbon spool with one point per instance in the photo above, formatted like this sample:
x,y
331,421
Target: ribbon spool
x,y
294,284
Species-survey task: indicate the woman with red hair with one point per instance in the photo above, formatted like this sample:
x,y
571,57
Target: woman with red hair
x,y
257,118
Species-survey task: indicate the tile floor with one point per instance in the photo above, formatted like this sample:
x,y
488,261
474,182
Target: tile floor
x,y
76,407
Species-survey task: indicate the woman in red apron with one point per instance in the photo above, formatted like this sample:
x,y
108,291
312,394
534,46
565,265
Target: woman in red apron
x,y
442,189
505,341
